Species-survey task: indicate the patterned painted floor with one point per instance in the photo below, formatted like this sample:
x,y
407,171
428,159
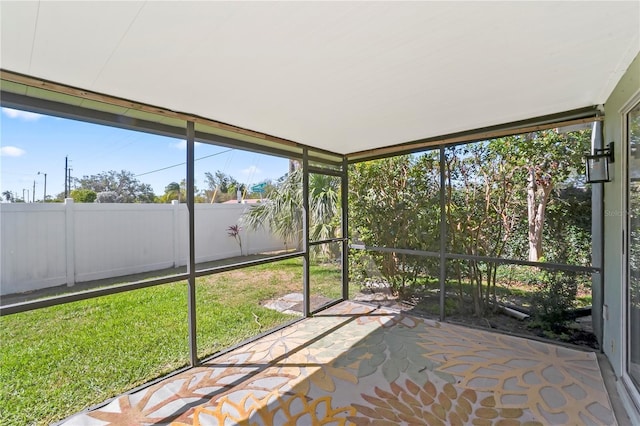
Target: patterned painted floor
x,y
356,364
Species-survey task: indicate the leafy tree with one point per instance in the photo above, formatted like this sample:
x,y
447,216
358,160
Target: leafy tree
x,y
108,197
494,191
178,191
544,160
508,187
568,216
221,187
481,212
7,195
127,188
83,195
394,202
173,191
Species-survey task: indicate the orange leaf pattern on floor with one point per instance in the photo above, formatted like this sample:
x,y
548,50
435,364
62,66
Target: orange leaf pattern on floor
x,y
357,364
557,383
289,410
427,405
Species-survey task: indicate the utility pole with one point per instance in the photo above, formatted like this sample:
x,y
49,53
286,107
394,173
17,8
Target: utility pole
x,y
34,192
66,173
44,196
67,177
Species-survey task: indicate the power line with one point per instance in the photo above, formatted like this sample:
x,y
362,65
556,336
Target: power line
x,y
183,163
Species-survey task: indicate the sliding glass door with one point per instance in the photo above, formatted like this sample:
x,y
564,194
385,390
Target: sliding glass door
x,y
633,252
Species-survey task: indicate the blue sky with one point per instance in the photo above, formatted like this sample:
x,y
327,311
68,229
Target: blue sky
x,y
32,143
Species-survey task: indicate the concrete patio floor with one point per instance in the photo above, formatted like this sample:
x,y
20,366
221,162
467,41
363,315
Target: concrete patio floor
x,y
360,364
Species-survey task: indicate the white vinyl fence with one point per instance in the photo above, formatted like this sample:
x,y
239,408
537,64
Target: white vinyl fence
x,y
52,244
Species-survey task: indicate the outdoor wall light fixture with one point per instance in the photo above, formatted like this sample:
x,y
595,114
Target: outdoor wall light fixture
x,y
598,164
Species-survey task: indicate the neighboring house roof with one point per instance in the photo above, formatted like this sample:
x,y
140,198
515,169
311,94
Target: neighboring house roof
x,y
246,201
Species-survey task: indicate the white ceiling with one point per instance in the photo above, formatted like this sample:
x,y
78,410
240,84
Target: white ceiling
x,y
343,76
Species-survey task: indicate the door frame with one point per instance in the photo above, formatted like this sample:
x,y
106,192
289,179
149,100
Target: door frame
x,y
632,390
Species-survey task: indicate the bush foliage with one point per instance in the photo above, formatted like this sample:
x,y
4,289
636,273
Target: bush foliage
x,y
517,197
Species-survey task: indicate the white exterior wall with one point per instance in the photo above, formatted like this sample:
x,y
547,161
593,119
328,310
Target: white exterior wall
x,y
614,224
46,245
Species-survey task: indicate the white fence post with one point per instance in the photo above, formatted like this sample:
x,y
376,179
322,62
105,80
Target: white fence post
x,y
176,232
70,241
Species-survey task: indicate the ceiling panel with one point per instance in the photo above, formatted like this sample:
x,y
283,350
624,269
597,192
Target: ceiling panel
x,y
17,29
74,40
342,76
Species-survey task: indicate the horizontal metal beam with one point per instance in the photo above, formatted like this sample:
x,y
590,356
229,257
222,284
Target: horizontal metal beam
x,y
78,93
411,252
88,294
246,146
327,305
567,118
74,112
329,241
321,171
106,291
253,147
262,142
234,266
546,265
499,260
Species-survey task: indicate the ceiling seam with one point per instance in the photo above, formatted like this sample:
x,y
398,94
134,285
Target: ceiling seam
x,y
33,40
115,49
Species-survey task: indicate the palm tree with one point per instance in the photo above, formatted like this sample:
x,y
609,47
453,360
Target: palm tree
x,y
324,206
173,191
282,211
7,195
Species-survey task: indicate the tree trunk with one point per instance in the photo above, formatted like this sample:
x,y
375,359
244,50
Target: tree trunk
x,y
460,288
478,299
536,208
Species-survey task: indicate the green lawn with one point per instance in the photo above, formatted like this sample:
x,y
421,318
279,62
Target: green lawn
x,y
57,361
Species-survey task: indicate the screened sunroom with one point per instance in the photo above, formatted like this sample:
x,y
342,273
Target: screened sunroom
x,y
363,210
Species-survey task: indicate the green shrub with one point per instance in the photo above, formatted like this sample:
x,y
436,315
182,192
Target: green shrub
x,y
554,297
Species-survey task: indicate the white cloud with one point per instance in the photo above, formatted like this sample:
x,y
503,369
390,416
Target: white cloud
x,y
21,115
250,171
11,151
